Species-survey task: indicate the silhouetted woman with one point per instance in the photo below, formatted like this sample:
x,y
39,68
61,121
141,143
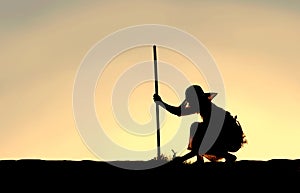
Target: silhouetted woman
x,y
230,138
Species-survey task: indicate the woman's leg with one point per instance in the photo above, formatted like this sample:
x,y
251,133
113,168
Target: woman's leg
x,y
198,136
193,130
193,143
197,132
229,158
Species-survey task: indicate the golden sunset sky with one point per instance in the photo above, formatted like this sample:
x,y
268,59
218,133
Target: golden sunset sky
x,y
255,45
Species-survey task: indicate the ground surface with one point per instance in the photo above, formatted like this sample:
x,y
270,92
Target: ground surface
x,y
250,174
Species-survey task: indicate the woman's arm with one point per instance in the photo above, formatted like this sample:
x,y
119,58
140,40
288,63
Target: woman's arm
x,y
180,110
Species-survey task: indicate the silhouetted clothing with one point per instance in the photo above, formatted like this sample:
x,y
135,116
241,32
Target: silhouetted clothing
x,y
230,138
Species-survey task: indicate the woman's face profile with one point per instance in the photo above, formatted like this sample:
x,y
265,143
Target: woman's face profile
x,y
191,97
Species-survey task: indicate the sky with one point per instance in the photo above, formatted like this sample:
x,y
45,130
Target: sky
x,y
254,45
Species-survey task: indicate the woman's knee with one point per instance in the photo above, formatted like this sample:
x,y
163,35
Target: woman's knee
x,y
193,128
195,125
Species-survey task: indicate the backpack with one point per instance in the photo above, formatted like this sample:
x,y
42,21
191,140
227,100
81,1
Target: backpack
x,y
233,134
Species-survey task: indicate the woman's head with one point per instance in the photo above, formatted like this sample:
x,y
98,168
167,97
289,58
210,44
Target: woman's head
x,y
195,93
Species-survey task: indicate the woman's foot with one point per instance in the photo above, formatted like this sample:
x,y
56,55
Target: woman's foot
x,y
200,159
229,158
213,158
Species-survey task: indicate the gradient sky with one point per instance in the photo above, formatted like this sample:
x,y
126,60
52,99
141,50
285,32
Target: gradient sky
x,y
255,45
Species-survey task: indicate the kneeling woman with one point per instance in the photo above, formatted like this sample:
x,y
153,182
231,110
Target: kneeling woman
x,y
230,137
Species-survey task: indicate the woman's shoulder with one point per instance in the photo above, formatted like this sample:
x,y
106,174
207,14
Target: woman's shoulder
x,y
216,107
